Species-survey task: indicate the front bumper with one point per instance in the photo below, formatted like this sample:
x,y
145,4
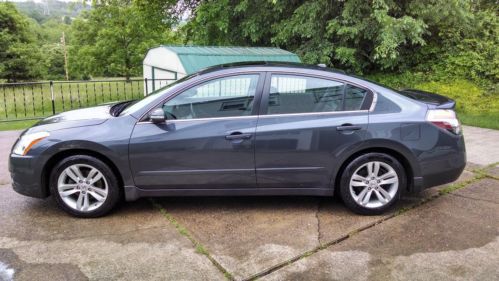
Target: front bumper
x,y
26,177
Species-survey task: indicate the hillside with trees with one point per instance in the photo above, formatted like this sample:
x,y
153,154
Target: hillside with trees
x,y
30,40
51,9
457,38
450,47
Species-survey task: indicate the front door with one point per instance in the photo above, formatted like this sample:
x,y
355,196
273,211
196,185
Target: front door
x,y
208,139
309,121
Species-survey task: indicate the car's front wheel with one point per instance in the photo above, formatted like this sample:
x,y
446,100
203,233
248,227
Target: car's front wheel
x,y
84,186
371,183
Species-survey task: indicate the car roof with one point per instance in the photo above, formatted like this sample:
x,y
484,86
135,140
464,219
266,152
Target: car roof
x,y
249,64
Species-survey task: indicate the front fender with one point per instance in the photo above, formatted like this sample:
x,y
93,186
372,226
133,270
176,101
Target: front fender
x,y
116,154
104,140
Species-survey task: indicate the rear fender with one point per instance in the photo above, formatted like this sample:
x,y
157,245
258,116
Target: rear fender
x,y
410,161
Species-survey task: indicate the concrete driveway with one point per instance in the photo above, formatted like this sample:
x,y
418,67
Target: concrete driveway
x,y
445,233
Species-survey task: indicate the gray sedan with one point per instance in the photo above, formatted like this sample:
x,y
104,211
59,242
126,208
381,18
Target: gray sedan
x,y
245,129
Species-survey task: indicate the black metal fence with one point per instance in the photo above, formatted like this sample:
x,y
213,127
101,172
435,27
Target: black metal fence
x,y
36,100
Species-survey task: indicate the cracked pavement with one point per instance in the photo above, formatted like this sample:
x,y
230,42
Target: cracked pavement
x,y
446,233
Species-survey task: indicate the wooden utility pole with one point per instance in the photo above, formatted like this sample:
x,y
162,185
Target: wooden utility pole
x,y
63,42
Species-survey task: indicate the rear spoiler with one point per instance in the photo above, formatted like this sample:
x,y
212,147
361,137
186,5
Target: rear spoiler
x,y
434,101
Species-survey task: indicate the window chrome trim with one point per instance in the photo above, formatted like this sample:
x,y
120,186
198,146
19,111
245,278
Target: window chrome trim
x,y
261,116
325,77
202,119
264,74
321,76
374,101
200,82
313,113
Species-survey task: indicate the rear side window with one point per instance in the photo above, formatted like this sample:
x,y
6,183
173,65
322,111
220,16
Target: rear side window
x,y
354,97
302,94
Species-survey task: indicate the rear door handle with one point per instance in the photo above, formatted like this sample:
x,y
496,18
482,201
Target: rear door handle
x,y
238,136
348,127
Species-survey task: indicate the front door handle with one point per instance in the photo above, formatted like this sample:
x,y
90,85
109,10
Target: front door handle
x,y
238,136
348,127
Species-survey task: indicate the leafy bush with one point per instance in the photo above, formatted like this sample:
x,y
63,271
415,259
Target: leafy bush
x,y
470,96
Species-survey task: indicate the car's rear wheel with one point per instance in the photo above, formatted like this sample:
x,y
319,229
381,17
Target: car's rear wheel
x,y
371,183
84,186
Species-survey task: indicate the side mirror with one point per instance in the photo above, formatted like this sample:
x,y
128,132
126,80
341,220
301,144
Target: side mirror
x,y
157,116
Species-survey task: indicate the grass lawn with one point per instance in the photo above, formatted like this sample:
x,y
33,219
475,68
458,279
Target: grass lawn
x,y
483,120
16,125
33,100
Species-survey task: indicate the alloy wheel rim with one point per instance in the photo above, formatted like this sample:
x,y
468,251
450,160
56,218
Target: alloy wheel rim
x,y
374,184
82,187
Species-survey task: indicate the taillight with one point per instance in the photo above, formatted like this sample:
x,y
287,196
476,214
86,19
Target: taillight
x,y
445,119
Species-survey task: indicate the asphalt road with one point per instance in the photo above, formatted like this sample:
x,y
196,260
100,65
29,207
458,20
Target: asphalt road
x,y
445,233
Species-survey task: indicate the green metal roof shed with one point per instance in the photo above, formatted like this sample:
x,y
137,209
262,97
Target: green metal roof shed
x,y
175,62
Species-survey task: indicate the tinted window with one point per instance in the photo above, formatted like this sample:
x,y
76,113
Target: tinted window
x,y
354,97
223,97
300,94
139,104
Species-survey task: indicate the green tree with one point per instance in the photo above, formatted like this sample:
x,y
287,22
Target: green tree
x,y
54,62
112,39
52,29
19,53
357,35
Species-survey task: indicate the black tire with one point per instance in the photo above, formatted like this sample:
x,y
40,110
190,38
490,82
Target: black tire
x,y
113,193
355,164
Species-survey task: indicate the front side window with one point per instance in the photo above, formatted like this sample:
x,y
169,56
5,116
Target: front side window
x,y
301,94
222,97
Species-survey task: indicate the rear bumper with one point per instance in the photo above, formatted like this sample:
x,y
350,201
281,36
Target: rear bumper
x,y
436,179
443,177
26,178
444,166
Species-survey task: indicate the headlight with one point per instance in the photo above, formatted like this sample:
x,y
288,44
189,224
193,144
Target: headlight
x,y
27,142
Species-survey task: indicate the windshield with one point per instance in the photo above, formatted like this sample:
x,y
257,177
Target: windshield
x,y
119,107
135,105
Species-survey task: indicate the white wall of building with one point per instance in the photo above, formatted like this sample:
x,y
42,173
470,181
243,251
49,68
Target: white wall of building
x,y
161,63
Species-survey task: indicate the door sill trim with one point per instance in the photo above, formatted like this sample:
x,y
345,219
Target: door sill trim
x,y
133,193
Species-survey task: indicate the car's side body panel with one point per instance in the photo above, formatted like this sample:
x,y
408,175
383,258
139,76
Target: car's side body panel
x,y
198,152
109,139
435,156
193,154
300,150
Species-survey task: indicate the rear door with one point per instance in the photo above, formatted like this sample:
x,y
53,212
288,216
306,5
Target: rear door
x,y
305,122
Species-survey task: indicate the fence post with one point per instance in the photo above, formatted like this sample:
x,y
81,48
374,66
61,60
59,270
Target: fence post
x,y
145,85
52,96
